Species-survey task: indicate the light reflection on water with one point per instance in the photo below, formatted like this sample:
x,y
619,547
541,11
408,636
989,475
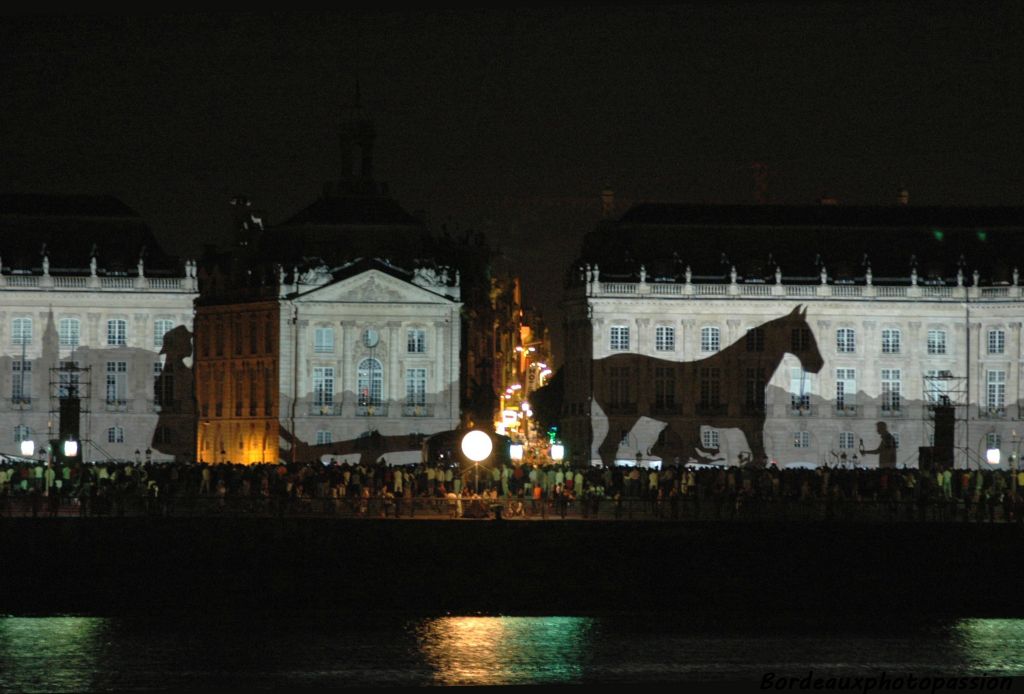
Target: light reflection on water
x,y
187,651
506,650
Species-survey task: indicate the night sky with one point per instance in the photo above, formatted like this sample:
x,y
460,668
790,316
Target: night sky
x,y
511,121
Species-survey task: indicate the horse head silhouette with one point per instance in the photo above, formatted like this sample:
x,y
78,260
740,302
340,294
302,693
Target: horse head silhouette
x,y
724,390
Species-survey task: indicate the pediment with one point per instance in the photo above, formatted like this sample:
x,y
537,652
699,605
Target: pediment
x,y
373,286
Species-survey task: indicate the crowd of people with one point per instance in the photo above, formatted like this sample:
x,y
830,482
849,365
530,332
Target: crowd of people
x,y
676,491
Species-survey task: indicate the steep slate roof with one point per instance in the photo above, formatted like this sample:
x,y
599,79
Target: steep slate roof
x,y
339,228
70,226
800,239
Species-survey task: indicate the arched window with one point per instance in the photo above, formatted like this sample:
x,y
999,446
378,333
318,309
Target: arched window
x,y
370,382
710,339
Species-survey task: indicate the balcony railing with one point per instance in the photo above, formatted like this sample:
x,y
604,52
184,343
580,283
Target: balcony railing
x,y
796,410
846,410
117,405
380,410
992,412
325,409
417,410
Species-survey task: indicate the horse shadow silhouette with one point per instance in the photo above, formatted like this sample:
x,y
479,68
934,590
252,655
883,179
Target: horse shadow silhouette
x,y
725,390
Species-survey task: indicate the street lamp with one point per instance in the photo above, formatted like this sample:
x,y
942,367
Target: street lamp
x,y
557,452
515,452
70,448
476,445
28,448
992,456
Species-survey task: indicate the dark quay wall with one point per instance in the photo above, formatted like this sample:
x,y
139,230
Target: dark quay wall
x,y
697,569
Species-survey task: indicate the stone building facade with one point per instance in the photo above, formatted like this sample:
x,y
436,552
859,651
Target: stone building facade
x,y
795,335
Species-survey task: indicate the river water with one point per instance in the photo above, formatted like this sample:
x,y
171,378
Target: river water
x,y
187,651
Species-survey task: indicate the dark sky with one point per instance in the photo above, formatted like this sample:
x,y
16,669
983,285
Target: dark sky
x,y
511,121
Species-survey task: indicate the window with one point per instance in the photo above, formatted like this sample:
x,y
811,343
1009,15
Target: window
x,y
936,342
323,339
268,336
68,380
709,438
21,381
370,382
993,440
618,386
22,433
891,389
755,340
890,341
323,438
69,332
323,385
416,340
846,389
117,332
416,387
254,336
117,381
995,390
115,435
218,391
254,389
664,338
846,440
161,327
936,388
664,387
800,340
895,439
846,341
619,337
710,339
163,385
801,439
236,335
996,341
268,391
218,335
238,382
754,391
710,388
799,389
21,331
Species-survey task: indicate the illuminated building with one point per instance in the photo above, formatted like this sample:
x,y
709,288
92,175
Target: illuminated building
x,y
335,333
93,308
909,308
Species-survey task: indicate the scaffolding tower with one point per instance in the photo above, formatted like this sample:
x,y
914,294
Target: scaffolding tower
x,y
945,405
68,382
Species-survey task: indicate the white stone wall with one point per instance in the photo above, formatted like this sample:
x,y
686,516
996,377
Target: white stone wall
x,y
93,301
965,314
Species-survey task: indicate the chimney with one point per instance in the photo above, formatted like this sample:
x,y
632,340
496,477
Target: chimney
x,y
903,196
607,202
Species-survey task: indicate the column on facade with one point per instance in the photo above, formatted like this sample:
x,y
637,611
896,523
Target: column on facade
x,y
394,375
347,377
1014,377
438,379
915,374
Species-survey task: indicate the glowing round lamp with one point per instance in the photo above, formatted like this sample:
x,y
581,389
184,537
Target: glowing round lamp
x,y
557,452
515,451
71,448
28,447
476,445
992,456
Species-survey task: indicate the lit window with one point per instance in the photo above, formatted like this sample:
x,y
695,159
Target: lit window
x,y
21,331
664,338
846,440
891,390
115,435
416,387
846,341
161,327
799,389
619,337
323,339
996,341
323,438
995,390
370,382
709,438
993,440
69,332
323,385
22,433
117,382
416,341
710,339
117,332
801,439
936,342
846,389
890,341
21,381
